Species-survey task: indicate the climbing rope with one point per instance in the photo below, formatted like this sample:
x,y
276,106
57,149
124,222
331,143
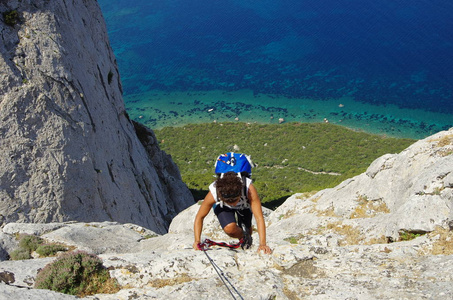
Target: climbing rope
x,y
204,246
208,243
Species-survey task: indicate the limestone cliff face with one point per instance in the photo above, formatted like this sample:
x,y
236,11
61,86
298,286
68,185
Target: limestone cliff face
x,y
68,150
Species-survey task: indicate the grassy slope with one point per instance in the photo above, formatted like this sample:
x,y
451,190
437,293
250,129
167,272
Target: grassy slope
x,y
287,156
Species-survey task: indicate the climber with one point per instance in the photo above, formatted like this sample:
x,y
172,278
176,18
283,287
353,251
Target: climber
x,y
229,198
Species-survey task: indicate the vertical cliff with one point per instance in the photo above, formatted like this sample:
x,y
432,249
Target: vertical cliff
x,y
68,150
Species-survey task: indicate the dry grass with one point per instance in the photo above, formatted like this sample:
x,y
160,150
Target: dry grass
x,y
306,195
445,152
98,286
386,250
442,242
329,212
369,208
351,234
445,140
380,240
160,283
288,214
442,142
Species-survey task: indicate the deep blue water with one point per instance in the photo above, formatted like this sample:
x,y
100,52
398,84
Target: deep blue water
x,y
380,52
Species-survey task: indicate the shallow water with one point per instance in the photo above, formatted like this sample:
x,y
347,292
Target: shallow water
x,y
380,66
159,109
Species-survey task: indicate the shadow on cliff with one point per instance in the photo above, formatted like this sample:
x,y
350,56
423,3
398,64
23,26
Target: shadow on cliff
x,y
275,203
198,194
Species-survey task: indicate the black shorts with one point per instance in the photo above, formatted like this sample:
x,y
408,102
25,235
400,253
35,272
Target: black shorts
x,y
227,215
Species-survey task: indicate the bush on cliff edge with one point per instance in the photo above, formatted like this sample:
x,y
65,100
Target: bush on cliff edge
x,y
76,273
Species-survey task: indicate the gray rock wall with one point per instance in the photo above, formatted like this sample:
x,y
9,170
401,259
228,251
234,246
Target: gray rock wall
x,y
68,150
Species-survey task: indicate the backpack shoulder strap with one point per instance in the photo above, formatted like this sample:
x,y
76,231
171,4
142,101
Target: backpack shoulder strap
x,y
246,181
218,199
244,186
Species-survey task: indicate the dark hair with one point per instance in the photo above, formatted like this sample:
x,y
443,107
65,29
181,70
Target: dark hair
x,y
229,186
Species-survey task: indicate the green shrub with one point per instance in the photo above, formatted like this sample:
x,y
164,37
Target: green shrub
x,y
291,158
30,242
19,254
49,249
76,273
11,17
408,235
27,244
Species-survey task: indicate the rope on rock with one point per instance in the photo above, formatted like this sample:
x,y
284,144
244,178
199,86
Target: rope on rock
x,y
204,246
207,243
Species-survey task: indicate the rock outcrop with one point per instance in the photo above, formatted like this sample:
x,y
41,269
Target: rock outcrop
x,y
68,150
409,192
349,242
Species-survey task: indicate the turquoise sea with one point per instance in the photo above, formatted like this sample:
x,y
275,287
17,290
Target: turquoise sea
x,y
384,66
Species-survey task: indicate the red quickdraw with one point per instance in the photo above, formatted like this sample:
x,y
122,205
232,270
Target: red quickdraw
x,y
208,243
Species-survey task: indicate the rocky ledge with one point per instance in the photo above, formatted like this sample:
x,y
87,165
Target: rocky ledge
x,y
385,234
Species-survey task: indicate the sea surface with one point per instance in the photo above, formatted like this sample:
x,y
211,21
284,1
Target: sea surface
x,y
384,67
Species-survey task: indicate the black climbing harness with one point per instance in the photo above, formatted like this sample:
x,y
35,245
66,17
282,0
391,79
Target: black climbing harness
x,y
204,246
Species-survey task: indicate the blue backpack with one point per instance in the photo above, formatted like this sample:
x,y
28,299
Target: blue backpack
x,y
234,162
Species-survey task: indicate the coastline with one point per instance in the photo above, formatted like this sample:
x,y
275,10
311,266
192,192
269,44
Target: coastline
x,y
158,109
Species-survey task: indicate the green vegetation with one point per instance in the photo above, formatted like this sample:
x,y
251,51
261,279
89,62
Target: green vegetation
x,y
45,250
293,239
150,236
407,235
20,254
11,17
29,243
289,158
76,273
